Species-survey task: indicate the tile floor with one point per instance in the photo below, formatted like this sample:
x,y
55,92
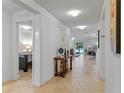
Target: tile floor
x,y
83,78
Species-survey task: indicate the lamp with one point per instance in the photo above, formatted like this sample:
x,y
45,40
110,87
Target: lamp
x,y
28,47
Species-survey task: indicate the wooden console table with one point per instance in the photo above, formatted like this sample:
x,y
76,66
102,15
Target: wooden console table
x,y
63,65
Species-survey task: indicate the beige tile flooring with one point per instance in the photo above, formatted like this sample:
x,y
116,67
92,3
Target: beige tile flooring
x,y
83,78
27,76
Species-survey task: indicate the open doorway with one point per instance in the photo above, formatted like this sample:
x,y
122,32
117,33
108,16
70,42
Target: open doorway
x,y
25,50
79,48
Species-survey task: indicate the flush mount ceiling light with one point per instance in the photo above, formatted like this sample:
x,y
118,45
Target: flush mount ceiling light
x,y
74,13
72,38
26,42
81,27
26,27
96,43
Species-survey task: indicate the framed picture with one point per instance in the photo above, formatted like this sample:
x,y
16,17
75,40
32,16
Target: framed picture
x,y
115,23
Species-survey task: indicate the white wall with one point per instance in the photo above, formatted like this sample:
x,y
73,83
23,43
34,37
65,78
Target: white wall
x,y
36,80
89,42
89,32
100,56
53,36
113,61
6,45
109,64
25,38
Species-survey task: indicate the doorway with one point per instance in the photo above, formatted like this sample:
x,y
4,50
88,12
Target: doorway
x,y
79,48
25,50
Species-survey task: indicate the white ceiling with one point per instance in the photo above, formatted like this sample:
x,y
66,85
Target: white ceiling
x,y
11,6
29,23
88,33
90,15
26,23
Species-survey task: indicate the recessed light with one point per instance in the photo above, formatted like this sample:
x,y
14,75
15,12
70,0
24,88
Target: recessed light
x,y
74,13
96,43
25,42
81,27
72,38
26,27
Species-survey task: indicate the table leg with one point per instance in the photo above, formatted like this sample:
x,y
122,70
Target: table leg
x,y
26,63
56,68
71,63
63,68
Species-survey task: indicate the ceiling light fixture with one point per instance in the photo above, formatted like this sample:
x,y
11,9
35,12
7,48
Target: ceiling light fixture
x,y
81,27
74,13
96,43
26,27
25,42
72,38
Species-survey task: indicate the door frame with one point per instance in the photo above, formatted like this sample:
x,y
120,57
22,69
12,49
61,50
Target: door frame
x,y
15,48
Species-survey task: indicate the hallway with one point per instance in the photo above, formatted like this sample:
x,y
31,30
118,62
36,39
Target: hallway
x,y
83,78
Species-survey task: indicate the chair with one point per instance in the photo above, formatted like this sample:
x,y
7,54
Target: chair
x,y
23,63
